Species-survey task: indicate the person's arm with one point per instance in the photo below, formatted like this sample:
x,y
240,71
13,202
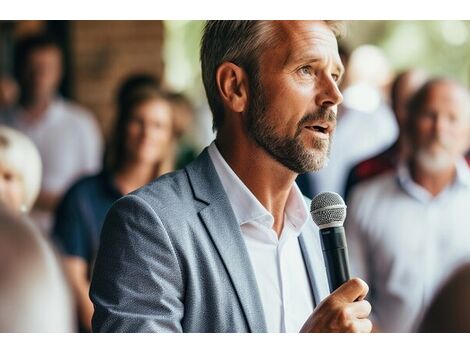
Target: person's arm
x,y
137,283
76,269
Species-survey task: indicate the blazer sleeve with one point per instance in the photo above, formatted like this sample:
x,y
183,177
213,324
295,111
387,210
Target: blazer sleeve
x,y
137,284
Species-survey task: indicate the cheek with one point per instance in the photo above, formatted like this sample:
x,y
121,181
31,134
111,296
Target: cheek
x,y
18,190
424,130
133,133
462,135
14,192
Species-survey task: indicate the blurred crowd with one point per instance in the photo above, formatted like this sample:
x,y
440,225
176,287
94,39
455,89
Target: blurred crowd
x,y
398,158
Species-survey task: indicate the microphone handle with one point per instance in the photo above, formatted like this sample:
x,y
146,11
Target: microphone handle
x,y
335,254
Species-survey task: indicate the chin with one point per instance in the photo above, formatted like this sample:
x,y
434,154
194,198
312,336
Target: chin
x,y
435,162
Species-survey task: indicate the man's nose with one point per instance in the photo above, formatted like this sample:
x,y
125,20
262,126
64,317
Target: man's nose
x,y
329,94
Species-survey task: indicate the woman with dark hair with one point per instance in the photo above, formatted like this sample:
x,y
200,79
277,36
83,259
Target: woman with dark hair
x,y
138,152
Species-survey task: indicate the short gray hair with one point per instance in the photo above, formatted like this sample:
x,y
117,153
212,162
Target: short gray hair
x,y
18,152
239,42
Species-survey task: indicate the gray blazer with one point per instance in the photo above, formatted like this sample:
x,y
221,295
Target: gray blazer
x,y
172,259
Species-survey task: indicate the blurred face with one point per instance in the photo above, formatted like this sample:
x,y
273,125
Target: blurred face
x,y
43,72
11,187
149,132
442,127
292,112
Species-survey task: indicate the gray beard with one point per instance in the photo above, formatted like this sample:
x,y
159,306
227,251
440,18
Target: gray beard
x,y
432,162
290,152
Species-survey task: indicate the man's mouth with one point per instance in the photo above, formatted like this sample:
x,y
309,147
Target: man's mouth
x,y
320,129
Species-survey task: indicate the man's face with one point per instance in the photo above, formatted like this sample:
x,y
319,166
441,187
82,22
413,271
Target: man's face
x,y
292,112
442,127
42,72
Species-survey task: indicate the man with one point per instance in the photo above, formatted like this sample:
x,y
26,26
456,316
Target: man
x,y
227,244
66,135
408,229
404,87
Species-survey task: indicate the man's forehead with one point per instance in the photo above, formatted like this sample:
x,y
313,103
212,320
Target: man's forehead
x,y
449,93
447,90
307,40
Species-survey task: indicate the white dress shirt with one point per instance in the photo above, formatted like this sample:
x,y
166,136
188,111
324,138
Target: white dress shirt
x,y
278,264
404,242
69,143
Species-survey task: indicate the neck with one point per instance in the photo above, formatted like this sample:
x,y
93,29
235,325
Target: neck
x,y
134,175
35,108
435,182
267,179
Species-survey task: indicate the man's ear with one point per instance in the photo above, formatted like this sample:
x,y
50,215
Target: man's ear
x,y
232,84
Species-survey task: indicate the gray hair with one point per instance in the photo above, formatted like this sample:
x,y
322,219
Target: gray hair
x,y
18,152
239,42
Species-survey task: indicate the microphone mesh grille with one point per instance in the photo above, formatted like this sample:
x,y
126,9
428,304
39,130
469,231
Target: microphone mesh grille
x,y
328,208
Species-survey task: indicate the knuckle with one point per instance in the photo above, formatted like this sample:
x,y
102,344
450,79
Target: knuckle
x,y
344,316
351,327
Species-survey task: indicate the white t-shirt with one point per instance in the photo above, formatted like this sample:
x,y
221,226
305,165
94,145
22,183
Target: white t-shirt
x,y
69,143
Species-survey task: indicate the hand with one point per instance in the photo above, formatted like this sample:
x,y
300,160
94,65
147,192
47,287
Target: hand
x,y
345,310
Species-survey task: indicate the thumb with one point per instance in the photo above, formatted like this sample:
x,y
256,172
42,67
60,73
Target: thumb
x,y
353,290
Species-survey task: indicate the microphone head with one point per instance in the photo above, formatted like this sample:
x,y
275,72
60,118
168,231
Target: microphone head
x,y
328,210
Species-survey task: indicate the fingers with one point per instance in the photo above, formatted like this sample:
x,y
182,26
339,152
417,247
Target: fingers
x,y
359,309
362,326
352,290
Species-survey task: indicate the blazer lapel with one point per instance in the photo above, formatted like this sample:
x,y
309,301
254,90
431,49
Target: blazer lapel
x,y
313,258
221,224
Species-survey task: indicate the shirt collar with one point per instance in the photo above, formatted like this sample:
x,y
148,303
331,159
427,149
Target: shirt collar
x,y
51,115
246,206
405,180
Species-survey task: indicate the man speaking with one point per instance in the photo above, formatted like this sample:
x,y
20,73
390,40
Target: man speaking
x,y
227,244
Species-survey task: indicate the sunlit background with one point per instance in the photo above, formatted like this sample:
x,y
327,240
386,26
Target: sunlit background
x,y
99,54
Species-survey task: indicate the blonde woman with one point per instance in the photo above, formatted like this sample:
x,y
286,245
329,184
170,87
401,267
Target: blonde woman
x,y
20,170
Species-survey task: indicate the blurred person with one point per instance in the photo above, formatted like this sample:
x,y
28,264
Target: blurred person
x,y
142,139
20,170
184,119
34,296
403,88
406,228
450,308
363,118
66,135
227,244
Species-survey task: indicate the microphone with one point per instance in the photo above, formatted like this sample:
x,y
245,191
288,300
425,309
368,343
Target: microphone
x,y
328,211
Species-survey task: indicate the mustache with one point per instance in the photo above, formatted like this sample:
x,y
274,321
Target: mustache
x,y
321,114
444,142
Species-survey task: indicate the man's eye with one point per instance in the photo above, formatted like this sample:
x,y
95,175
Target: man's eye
x,y
306,70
